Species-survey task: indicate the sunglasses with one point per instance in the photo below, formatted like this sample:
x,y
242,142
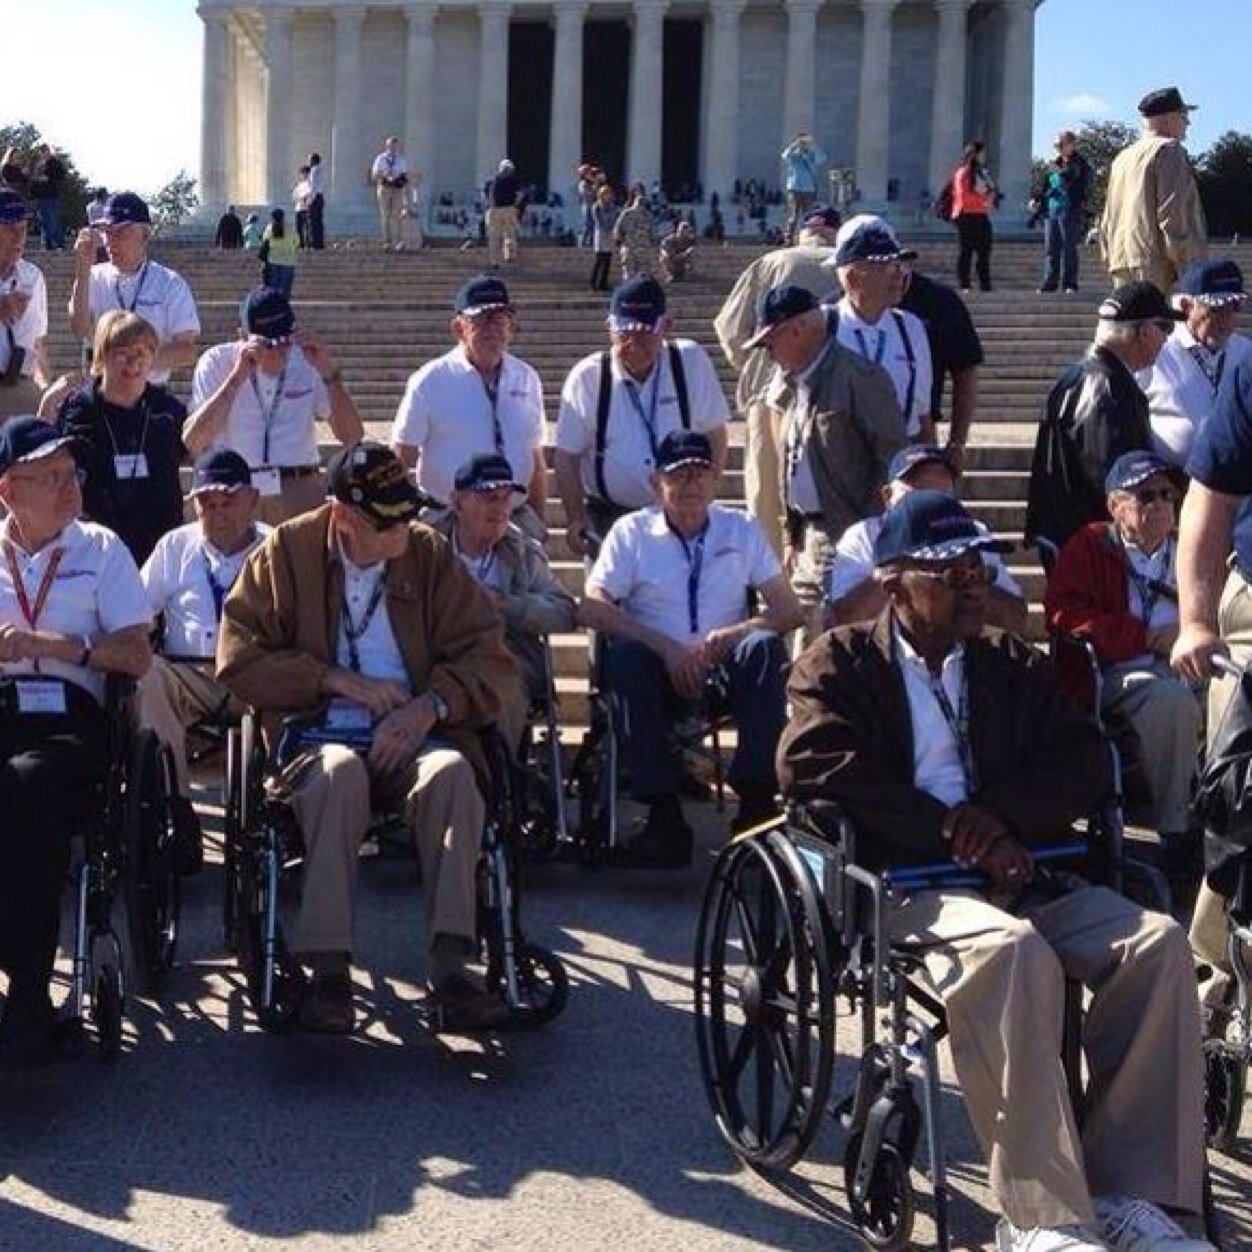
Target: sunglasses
x,y
956,577
1162,495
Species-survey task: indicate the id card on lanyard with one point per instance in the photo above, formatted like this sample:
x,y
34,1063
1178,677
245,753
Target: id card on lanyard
x,y
117,290
128,466
694,552
492,388
354,632
648,416
958,724
266,478
31,613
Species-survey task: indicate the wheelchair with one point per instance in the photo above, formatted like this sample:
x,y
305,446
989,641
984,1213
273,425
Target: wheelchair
x,y
263,842
542,831
791,922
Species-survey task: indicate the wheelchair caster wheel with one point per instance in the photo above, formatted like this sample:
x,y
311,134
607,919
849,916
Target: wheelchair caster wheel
x,y
1225,1083
542,986
277,1012
884,1215
106,1010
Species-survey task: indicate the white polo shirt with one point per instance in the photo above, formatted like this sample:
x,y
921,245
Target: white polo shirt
x,y
96,590
629,450
32,326
290,420
658,579
897,342
1182,388
179,579
377,650
854,561
937,767
155,293
447,413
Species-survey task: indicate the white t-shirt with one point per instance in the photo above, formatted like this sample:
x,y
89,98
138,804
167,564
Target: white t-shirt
x,y
95,592
178,578
937,767
883,344
1162,610
446,413
157,294
801,486
1182,388
377,650
648,570
388,166
292,420
629,452
32,326
854,561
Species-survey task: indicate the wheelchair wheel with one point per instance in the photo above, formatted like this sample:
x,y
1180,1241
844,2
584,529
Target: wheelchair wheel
x,y
765,1002
107,995
1225,1085
542,985
275,979
884,1215
151,884
589,781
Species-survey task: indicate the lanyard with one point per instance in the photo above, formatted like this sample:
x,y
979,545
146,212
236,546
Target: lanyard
x,y
492,388
8,329
480,567
797,431
881,350
958,724
268,415
217,589
143,439
1151,590
117,290
1203,358
32,613
355,631
649,418
694,552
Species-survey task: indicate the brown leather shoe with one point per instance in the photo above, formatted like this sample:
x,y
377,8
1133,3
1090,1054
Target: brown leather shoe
x,y
460,1005
326,1006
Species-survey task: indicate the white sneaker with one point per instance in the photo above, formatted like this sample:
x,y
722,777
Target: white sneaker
x,y
1133,1225
1046,1239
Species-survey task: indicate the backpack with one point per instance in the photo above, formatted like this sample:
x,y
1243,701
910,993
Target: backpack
x,y
944,201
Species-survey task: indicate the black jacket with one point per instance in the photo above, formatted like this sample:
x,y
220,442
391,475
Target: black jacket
x,y
1223,800
1095,413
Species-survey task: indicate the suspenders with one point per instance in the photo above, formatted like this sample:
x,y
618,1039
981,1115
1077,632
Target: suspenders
x,y
910,394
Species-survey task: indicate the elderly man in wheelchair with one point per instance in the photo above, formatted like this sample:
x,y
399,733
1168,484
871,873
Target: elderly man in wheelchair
x,y
374,628
72,610
942,742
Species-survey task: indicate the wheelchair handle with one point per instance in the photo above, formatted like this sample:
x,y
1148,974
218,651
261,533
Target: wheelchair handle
x,y
1224,665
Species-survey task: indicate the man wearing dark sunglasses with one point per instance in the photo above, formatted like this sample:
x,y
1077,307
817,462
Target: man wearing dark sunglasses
x,y
374,625
1096,413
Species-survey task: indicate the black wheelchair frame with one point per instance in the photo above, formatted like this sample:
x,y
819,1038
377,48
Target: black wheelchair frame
x,y
1227,1056
263,842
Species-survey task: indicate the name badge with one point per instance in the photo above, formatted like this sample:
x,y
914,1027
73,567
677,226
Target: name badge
x,y
348,715
130,465
267,480
34,696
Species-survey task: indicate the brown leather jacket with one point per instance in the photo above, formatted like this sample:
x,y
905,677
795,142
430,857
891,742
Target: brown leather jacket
x,y
281,619
850,739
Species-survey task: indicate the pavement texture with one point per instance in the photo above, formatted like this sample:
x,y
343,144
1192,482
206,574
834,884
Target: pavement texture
x,y
591,1133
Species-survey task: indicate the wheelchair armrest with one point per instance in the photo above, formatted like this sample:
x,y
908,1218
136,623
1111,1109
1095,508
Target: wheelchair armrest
x,y
827,820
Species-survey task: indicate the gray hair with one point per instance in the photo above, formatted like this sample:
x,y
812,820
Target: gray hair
x,y
1108,332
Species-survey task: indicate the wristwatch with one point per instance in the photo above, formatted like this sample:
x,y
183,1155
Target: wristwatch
x,y
440,705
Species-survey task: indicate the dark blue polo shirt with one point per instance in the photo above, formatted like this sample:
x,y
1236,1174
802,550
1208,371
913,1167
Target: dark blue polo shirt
x,y
1221,457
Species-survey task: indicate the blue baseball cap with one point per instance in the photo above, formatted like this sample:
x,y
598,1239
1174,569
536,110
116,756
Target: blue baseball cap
x,y
13,207
267,313
30,438
1132,468
124,207
481,295
637,304
220,469
1215,283
931,526
486,472
909,458
683,447
780,305
822,217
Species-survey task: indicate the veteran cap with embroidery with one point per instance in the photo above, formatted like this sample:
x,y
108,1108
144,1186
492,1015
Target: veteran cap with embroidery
x,y
1132,468
1164,100
486,472
1137,302
931,526
480,295
912,455
220,469
683,447
369,477
28,439
780,305
1215,283
125,207
866,237
637,304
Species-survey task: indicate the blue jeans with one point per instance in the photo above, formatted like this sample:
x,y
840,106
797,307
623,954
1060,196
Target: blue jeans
x,y
648,706
279,277
1062,233
49,211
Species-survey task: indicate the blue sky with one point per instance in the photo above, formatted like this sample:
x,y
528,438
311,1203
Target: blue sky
x,y
1094,58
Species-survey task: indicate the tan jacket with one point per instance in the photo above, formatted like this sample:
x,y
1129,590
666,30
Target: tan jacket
x,y
1152,214
281,622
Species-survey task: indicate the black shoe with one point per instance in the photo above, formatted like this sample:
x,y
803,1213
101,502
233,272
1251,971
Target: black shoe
x,y
326,1006
663,840
1045,291
188,837
460,1005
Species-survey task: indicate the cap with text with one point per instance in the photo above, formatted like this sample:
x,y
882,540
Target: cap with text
x,y
24,439
220,469
683,447
1132,468
369,477
481,294
780,305
1137,302
125,208
931,526
637,304
1214,283
868,238
486,472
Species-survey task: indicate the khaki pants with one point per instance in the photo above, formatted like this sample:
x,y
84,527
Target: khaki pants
x,y
171,698
762,473
1160,273
444,810
1166,717
501,235
20,400
390,201
808,580
1001,978
301,493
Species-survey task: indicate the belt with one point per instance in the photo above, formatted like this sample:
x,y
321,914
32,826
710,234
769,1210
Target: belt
x,y
297,471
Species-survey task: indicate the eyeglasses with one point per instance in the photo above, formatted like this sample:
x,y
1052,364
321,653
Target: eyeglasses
x,y
955,577
1162,495
54,479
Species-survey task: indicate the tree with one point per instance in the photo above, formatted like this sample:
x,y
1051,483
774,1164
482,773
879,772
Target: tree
x,y
22,138
1225,176
176,201
1100,142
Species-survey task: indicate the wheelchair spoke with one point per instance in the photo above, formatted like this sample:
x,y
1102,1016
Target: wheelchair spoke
x,y
748,1040
764,1093
747,929
779,1046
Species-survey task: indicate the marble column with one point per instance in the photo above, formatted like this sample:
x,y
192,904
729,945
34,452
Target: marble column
x,y
801,80
279,171
1012,168
349,163
947,135
493,88
643,163
565,135
721,136
873,119
419,121
214,140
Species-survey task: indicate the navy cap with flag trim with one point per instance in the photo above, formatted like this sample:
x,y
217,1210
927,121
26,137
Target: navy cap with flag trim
x,y
1132,468
13,207
1164,100
1138,302
780,305
486,472
683,447
124,207
28,438
267,313
911,456
931,526
481,294
637,304
369,477
1214,283
822,217
870,241
220,469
